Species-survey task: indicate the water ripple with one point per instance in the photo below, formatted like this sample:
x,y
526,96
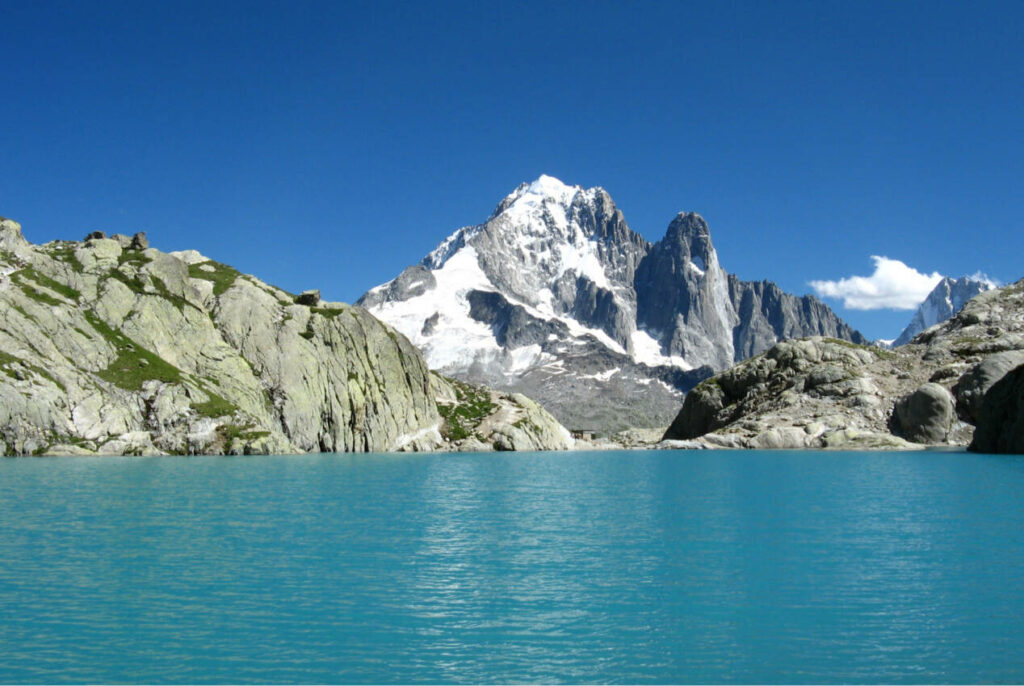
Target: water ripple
x,y
598,568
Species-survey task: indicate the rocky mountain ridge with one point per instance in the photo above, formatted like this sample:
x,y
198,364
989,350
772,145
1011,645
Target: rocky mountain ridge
x,y
556,297
109,346
945,300
826,393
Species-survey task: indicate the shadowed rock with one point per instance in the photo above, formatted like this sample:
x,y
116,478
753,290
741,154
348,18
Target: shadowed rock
x,y
924,416
1001,419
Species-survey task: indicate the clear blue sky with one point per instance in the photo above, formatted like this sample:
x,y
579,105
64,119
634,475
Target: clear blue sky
x,y
331,144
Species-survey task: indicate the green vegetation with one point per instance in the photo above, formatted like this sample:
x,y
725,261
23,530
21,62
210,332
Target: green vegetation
x,y
215,407
229,432
55,286
165,293
328,312
135,283
134,364
21,310
526,425
134,257
37,295
28,278
473,405
8,362
222,276
64,251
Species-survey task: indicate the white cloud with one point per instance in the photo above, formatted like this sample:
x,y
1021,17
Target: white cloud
x,y
985,279
893,286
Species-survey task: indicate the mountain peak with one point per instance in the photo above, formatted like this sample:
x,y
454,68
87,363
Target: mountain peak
x,y
551,187
946,299
533,196
689,224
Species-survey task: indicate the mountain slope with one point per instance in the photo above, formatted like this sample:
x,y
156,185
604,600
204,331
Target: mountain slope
x,y
946,299
556,297
109,346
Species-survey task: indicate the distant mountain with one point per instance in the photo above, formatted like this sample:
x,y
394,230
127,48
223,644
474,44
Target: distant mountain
x,y
946,299
556,297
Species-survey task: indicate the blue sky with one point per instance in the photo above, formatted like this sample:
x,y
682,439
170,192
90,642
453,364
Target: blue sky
x,y
331,144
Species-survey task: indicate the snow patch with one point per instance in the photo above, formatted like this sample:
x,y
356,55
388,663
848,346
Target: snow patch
x,y
647,351
601,376
457,340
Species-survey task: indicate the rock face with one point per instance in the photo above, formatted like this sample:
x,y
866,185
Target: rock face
x,y
480,419
924,416
970,390
945,300
1001,419
108,346
556,297
826,393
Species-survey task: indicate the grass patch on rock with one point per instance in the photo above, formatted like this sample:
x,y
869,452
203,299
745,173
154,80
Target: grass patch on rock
x,y
134,364
328,312
215,407
133,257
221,275
30,280
8,364
64,251
134,283
472,406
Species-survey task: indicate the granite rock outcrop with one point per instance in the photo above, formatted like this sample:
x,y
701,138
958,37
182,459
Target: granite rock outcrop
x,y
826,393
109,346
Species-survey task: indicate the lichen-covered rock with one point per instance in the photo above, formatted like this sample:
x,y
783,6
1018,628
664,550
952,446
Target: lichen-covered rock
x,y
478,419
1001,419
110,346
924,416
808,393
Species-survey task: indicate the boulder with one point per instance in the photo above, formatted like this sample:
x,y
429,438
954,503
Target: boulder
x,y
139,241
1001,418
124,241
311,298
95,234
924,416
976,382
700,413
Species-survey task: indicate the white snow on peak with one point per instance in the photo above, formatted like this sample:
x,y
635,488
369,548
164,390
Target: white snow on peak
x,y
532,199
449,246
457,339
551,187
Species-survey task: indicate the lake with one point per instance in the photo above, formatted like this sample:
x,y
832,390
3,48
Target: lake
x,y
639,567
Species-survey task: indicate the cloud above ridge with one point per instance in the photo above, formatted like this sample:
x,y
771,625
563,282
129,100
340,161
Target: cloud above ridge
x,y
893,286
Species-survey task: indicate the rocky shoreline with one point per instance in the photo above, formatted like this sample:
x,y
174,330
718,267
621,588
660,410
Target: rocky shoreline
x,y
823,393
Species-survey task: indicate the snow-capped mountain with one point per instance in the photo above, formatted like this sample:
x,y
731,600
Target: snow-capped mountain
x,y
946,299
556,297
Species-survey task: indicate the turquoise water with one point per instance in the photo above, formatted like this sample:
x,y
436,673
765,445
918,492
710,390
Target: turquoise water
x,y
562,567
